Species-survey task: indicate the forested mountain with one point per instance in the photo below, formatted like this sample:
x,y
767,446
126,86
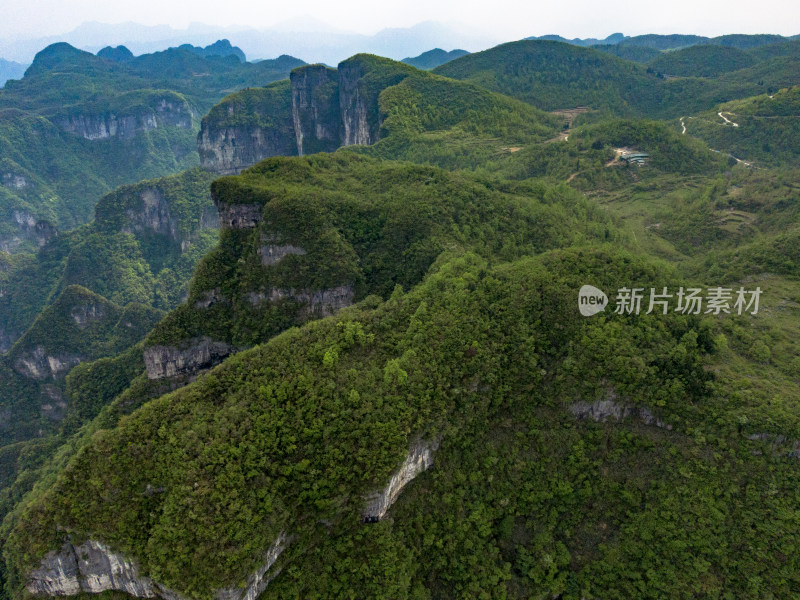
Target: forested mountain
x,y
433,58
347,358
78,125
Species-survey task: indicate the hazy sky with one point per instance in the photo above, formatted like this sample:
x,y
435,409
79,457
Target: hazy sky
x,y
506,19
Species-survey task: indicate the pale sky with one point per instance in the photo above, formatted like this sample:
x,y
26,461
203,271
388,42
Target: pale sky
x,y
507,19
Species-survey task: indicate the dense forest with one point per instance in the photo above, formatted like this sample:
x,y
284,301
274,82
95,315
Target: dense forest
x,y
344,357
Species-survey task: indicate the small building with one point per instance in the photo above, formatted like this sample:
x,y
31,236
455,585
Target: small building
x,y
638,158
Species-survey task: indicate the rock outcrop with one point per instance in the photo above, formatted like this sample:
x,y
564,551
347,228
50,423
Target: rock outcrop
x,y
153,215
272,253
318,303
168,361
356,125
229,150
164,112
92,567
609,408
238,216
418,460
315,109
322,110
85,314
38,364
29,229
247,127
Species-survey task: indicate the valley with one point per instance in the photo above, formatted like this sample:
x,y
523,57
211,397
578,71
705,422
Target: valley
x,y
277,329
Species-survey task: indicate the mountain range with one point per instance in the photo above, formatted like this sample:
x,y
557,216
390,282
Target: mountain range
x,y
333,345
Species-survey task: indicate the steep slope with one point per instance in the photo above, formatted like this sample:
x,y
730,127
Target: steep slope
x,y
302,238
367,100
78,125
542,443
77,327
141,247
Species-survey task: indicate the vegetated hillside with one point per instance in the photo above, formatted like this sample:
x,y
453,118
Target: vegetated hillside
x,y
702,61
640,54
77,327
302,238
763,129
589,159
368,100
139,253
414,407
582,443
433,58
552,75
141,247
78,125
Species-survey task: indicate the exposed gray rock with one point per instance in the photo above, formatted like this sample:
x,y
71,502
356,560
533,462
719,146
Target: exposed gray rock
x,y
609,408
29,228
92,567
321,303
14,181
315,109
229,150
210,298
238,216
418,459
166,113
167,361
258,581
153,215
37,364
84,314
353,107
273,253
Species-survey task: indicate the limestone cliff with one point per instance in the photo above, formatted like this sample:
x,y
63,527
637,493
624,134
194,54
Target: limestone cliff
x,y
92,567
165,361
315,109
246,128
29,228
320,110
96,122
418,460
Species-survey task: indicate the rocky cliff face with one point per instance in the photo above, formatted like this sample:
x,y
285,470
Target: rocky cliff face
x,y
166,361
164,113
154,215
353,107
326,108
418,460
29,229
315,109
611,409
229,150
93,568
38,364
316,303
247,127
